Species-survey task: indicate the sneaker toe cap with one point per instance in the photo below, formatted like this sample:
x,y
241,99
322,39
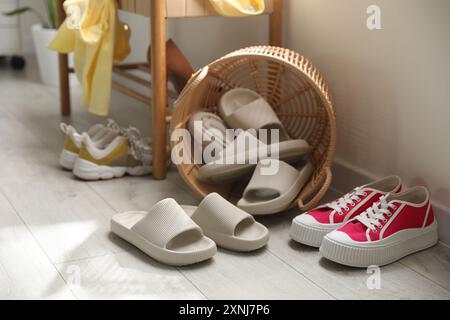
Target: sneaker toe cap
x,y
306,219
340,237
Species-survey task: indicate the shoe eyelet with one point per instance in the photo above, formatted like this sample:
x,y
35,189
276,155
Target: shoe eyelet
x,y
364,194
346,208
352,204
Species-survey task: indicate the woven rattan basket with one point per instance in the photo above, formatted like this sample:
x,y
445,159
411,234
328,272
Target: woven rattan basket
x,y
295,90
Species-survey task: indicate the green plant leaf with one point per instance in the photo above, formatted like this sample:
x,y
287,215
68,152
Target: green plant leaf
x,y
52,12
51,8
17,11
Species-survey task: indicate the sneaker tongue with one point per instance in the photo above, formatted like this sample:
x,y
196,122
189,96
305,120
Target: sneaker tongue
x,y
355,226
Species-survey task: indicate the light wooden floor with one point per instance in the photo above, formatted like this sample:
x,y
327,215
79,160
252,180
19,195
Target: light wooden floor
x,y
55,241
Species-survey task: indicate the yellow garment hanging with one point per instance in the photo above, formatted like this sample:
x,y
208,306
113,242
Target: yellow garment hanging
x,y
238,8
99,39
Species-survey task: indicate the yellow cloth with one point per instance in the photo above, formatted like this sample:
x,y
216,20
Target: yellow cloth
x,y
99,39
238,8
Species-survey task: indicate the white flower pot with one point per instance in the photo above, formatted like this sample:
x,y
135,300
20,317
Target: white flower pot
x,y
47,59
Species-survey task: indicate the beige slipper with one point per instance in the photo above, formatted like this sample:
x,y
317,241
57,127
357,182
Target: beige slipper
x,y
165,233
230,227
245,109
269,194
211,131
241,157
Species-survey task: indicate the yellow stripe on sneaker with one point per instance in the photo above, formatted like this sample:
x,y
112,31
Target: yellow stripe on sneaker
x,y
120,150
69,145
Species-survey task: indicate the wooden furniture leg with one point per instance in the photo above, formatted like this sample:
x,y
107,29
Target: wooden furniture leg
x,y
159,88
64,85
276,24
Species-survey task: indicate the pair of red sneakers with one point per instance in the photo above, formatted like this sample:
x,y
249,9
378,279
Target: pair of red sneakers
x,y
375,224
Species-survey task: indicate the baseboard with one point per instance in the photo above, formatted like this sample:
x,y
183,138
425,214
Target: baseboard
x,y
346,177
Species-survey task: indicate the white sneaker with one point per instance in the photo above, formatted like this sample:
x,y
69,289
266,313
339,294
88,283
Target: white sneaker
x,y
127,153
73,139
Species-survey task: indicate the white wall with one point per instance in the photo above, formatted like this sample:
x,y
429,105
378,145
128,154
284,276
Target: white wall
x,y
391,86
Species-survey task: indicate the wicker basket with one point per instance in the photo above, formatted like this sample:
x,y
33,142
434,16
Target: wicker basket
x,y
295,90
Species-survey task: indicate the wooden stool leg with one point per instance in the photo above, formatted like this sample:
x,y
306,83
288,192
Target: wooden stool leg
x,y
64,85
276,24
159,90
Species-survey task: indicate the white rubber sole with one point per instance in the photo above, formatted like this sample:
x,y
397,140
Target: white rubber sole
x,y
381,252
89,171
309,235
67,159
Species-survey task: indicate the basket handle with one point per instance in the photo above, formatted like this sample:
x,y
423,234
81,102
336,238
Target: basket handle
x,y
319,194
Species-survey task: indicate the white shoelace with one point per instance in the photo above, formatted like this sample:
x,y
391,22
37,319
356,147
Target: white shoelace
x,y
376,214
348,200
110,123
139,147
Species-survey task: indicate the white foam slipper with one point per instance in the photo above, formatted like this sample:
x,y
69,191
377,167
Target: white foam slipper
x,y
242,155
165,233
269,194
245,109
230,227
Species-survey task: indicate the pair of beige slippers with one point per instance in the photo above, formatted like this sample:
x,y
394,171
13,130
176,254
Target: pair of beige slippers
x,y
279,172
184,235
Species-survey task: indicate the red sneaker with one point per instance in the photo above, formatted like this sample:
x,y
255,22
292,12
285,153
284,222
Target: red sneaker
x,y
311,227
394,227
